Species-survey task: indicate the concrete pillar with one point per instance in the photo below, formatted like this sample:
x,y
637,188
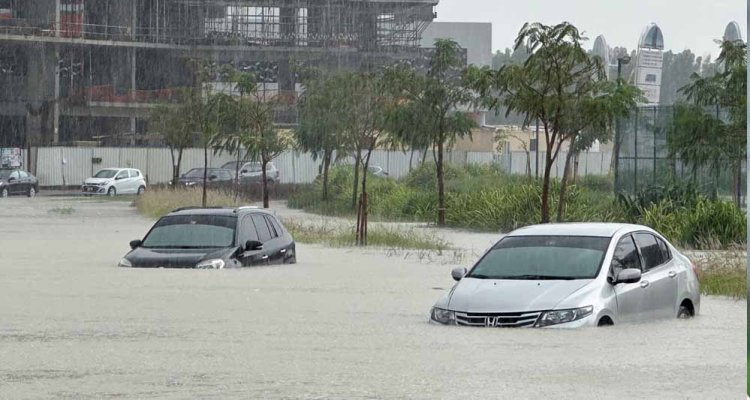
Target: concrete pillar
x,y
40,93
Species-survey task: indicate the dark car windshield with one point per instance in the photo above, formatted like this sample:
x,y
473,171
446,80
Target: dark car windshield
x,y
543,257
192,231
106,173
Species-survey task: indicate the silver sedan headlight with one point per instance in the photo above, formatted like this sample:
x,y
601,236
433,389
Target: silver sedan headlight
x,y
124,263
446,317
211,264
562,316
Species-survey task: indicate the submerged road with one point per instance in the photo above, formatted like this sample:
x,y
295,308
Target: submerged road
x,y
342,323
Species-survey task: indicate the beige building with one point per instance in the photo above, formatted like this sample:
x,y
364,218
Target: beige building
x,y
511,138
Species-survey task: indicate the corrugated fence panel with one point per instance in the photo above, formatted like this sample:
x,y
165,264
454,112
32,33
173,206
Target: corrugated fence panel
x,y
476,157
77,165
398,164
285,164
159,168
110,157
306,170
294,167
48,172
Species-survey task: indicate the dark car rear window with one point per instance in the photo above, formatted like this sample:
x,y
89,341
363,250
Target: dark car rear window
x,y
192,231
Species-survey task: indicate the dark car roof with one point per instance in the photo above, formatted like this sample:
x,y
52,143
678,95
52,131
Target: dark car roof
x,y
226,211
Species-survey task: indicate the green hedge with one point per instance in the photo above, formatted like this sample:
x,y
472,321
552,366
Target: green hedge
x,y
485,198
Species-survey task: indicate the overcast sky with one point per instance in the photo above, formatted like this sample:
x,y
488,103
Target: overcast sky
x,y
687,24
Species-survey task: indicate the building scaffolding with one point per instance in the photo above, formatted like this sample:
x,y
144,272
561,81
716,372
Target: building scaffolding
x,y
72,70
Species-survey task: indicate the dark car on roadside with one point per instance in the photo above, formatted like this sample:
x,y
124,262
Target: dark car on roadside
x,y
15,181
213,238
216,178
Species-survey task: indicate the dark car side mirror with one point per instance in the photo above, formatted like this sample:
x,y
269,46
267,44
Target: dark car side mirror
x,y
630,275
213,177
11,180
252,245
458,273
134,244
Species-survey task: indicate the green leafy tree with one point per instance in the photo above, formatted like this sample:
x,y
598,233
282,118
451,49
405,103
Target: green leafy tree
x,y
209,111
266,142
428,110
176,131
561,86
320,131
711,128
235,138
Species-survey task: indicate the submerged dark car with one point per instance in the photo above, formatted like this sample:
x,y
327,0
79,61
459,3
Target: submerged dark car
x,y
213,238
16,181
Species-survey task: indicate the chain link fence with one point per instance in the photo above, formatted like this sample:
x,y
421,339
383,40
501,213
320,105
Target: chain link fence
x,y
644,159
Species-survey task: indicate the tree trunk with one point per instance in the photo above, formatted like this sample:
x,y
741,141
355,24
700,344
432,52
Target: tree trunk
x,y
575,168
326,166
205,172
174,167
738,184
264,163
564,187
363,204
237,174
177,167
411,158
441,185
545,187
424,154
357,160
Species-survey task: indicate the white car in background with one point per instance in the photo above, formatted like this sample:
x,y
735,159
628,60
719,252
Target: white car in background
x,y
251,171
114,181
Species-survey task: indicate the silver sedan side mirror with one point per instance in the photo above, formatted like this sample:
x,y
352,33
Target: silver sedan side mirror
x,y
458,273
630,275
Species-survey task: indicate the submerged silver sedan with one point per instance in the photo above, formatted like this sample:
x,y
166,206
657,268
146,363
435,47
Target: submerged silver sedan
x,y
573,275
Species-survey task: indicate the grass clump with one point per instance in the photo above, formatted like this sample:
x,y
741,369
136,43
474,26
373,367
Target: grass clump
x,y
724,277
158,202
62,210
342,236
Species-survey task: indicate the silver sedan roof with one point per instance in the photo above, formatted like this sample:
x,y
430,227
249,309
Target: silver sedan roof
x,y
596,229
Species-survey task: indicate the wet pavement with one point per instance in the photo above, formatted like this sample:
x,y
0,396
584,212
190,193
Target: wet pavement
x,y
342,323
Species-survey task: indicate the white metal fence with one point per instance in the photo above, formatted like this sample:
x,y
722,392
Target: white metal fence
x,y
69,166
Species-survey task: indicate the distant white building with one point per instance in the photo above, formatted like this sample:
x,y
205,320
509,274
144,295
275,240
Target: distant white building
x,y
475,37
649,61
732,32
601,49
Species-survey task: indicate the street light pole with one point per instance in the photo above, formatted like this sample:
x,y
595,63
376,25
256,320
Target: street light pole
x,y
620,62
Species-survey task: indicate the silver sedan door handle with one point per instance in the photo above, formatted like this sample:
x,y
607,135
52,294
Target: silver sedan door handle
x,y
644,284
672,274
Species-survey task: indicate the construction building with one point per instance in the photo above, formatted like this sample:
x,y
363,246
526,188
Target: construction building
x,y
91,71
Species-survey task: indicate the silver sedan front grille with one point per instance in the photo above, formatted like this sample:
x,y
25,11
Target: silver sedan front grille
x,y
499,320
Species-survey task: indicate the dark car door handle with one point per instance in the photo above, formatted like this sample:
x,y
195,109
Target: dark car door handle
x,y
283,251
672,274
644,284
265,257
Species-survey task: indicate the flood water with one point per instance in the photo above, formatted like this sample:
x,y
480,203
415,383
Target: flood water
x,y
342,323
